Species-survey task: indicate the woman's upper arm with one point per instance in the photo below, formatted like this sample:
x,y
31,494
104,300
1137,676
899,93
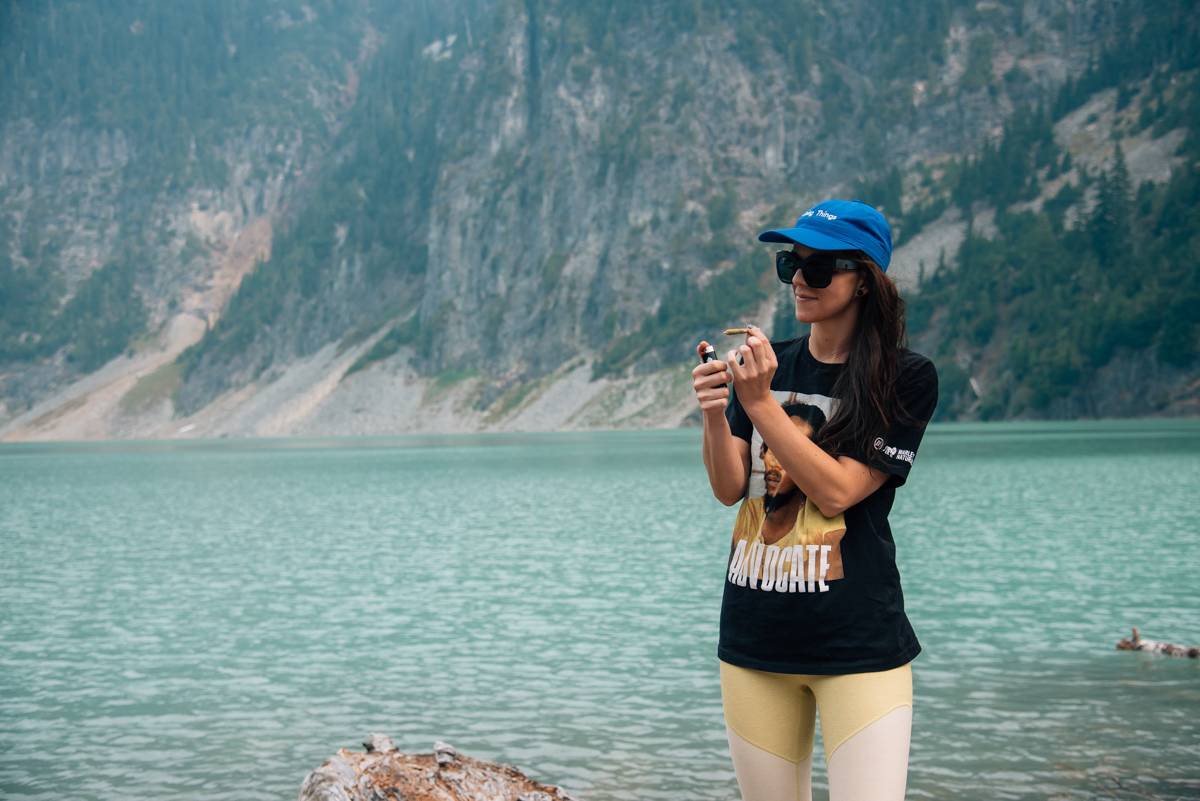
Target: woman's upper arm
x,y
861,482
743,449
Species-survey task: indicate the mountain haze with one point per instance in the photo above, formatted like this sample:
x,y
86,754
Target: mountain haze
x,y
271,218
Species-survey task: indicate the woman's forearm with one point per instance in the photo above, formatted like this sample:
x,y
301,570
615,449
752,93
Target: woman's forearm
x,y
728,469
833,485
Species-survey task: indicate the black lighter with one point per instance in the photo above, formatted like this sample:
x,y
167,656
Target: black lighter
x,y
710,355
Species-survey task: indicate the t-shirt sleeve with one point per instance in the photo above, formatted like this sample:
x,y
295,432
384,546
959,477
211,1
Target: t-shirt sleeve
x,y
739,421
895,451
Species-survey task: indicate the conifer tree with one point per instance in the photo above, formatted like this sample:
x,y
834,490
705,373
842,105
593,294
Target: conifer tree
x,y
1111,235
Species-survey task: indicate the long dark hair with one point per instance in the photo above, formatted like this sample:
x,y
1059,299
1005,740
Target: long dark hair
x,y
867,386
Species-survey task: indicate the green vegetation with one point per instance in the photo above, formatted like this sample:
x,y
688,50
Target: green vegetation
x,y
552,267
1006,172
193,249
448,378
513,398
1166,43
625,143
684,311
96,324
395,158
885,193
173,76
28,296
722,208
979,63
103,316
375,193
405,333
907,44
1001,174
1063,300
178,78
175,79
445,381
153,389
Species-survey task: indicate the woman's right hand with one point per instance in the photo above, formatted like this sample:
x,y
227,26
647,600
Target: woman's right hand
x,y
707,379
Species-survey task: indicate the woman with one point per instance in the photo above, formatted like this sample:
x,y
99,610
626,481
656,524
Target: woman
x,y
814,438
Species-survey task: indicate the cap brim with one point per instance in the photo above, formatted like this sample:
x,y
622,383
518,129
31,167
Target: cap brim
x,y
807,237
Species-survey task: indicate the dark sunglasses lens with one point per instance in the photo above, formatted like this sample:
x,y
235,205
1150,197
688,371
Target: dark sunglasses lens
x,y
817,270
818,273
785,266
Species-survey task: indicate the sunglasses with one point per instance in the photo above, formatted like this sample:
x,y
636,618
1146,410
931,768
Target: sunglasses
x,y
817,268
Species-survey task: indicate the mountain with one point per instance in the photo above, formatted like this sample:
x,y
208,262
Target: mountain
x,y
270,218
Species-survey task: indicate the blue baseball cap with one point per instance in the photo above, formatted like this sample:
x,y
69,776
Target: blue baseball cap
x,y
840,225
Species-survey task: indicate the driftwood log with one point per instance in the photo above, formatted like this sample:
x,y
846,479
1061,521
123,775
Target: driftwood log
x,y
384,773
1136,643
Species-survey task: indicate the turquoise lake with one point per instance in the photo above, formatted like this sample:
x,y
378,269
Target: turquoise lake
x,y
212,620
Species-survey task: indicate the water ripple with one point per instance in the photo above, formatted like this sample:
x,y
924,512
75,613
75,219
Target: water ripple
x,y
212,622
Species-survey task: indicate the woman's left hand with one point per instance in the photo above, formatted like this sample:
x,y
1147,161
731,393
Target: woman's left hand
x,y
752,378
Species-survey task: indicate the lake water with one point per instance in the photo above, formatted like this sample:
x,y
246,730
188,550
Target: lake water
x,y
213,620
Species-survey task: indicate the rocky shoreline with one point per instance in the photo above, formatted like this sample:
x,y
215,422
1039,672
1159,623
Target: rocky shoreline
x,y
385,772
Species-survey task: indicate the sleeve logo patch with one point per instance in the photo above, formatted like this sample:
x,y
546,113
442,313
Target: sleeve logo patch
x,y
892,452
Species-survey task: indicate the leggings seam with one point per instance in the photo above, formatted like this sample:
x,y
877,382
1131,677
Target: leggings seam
x,y
768,750
856,732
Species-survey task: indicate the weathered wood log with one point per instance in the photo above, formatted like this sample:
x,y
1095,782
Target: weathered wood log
x,y
384,773
1136,643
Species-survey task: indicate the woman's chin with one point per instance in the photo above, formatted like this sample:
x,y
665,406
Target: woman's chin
x,y
808,311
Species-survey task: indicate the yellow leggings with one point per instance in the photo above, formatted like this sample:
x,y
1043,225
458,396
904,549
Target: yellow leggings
x,y
772,722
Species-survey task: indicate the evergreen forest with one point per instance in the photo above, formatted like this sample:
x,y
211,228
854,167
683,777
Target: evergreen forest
x,y
1060,300
1060,287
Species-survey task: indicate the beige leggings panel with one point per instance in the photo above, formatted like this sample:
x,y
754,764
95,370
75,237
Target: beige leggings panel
x,y
870,766
777,711
762,776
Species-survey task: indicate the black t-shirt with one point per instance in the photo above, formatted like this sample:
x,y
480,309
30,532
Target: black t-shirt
x,y
805,593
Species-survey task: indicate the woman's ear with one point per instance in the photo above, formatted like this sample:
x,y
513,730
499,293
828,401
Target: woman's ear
x,y
862,290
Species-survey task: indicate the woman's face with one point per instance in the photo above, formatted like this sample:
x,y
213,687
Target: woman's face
x,y
818,305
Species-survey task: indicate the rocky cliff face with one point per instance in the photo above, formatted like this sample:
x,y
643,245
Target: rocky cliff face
x,y
72,179
573,191
73,194
576,181
583,192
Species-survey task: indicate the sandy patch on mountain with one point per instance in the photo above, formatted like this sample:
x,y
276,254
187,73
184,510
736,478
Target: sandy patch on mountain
x,y
91,408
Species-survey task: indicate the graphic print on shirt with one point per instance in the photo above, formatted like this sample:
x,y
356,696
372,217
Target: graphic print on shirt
x,y
781,541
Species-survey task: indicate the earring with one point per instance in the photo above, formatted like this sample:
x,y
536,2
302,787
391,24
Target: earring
x,y
860,292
